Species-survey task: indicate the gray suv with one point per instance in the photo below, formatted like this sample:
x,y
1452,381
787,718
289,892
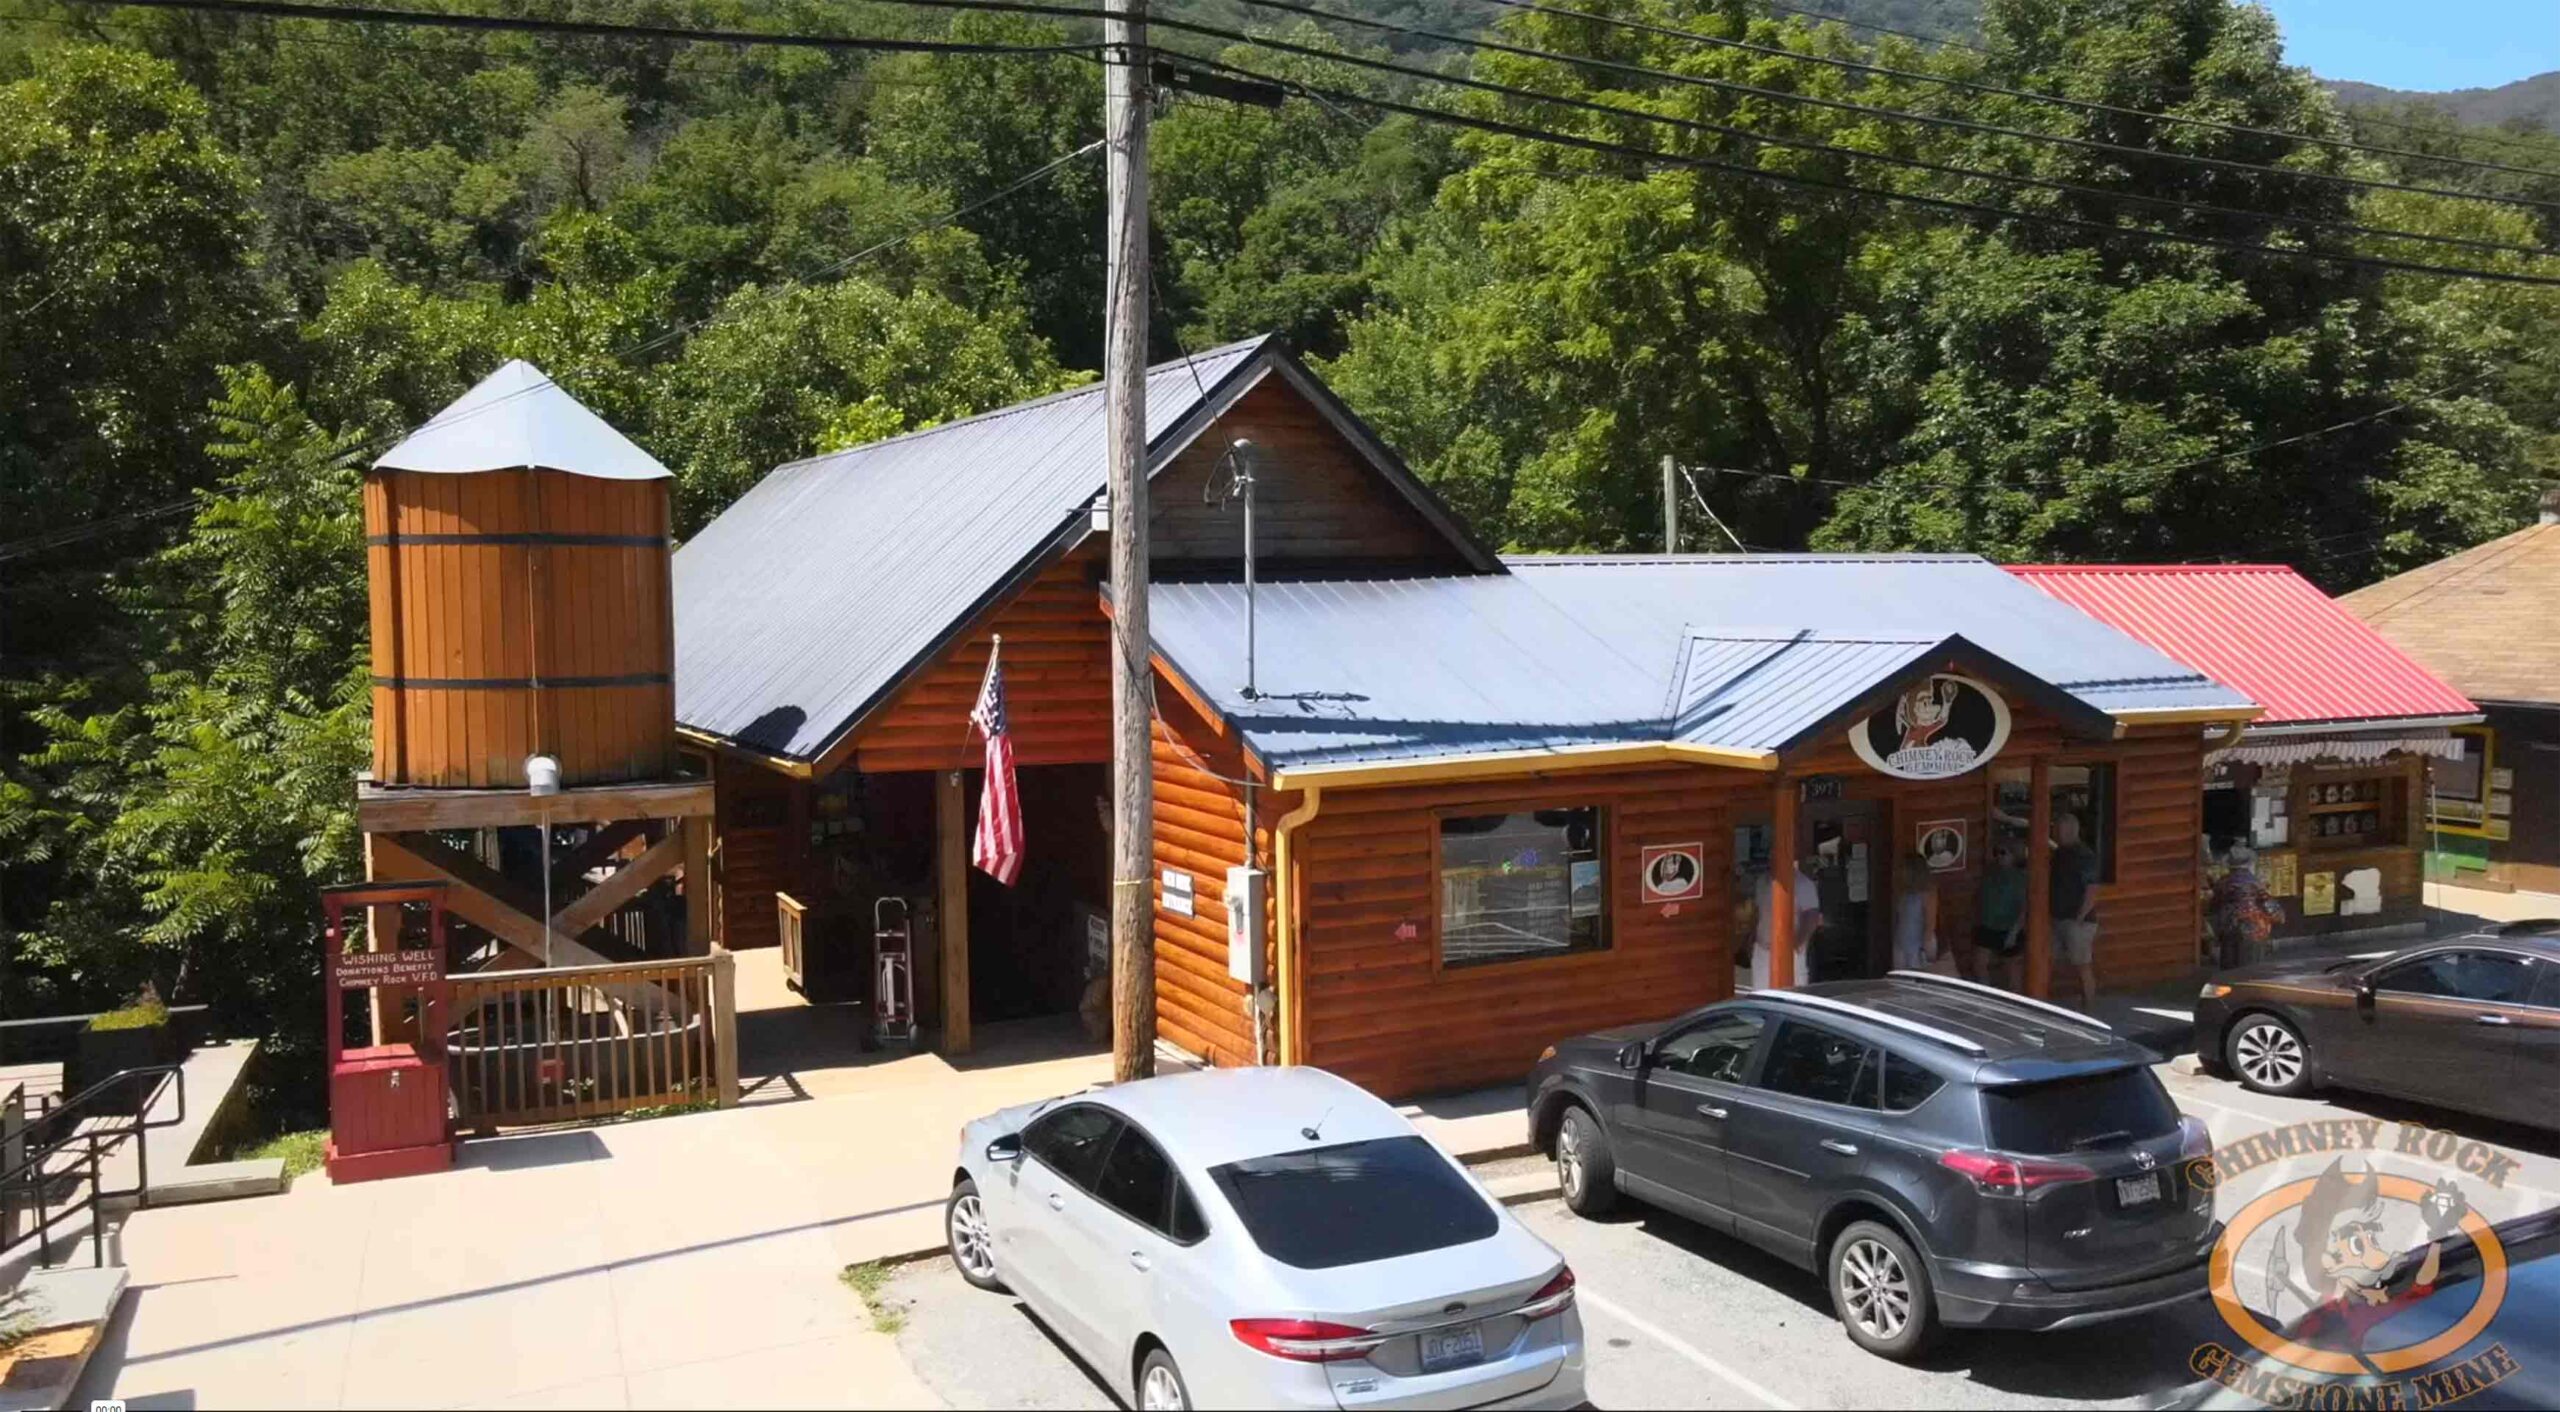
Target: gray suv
x,y
1941,1152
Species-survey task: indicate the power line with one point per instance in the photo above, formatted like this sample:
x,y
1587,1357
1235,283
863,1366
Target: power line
x,y
1827,18
1977,86
692,326
1888,158
376,45
354,14
76,533
1942,203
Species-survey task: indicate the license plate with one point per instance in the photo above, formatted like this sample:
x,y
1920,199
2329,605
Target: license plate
x,y
2138,1191
1452,1348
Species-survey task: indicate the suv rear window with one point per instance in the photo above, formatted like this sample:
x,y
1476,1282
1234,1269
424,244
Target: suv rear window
x,y
2073,1115
1355,1202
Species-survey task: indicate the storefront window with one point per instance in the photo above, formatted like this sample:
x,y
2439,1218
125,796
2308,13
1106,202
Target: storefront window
x,y
1514,886
2086,793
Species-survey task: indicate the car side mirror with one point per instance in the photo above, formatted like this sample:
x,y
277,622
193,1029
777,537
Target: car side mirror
x,y
2364,992
1631,1056
1007,1148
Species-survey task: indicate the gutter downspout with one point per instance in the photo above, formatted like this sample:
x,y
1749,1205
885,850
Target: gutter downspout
x,y
2229,737
1285,890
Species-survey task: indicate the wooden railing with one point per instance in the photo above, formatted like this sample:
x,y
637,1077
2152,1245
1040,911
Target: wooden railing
x,y
581,1042
791,920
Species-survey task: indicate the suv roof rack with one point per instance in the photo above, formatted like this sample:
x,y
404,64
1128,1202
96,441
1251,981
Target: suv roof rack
x,y
2011,996
1824,1002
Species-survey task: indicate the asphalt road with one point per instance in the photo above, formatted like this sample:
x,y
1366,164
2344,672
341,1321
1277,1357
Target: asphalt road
x,y
1677,1316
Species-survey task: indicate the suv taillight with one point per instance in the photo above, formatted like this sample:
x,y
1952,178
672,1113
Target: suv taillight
x,y
1553,1297
2193,1139
2011,1176
1305,1340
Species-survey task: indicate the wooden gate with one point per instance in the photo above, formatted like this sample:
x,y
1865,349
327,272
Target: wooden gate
x,y
581,1042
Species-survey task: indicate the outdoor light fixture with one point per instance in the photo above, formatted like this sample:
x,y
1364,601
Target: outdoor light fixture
x,y
541,775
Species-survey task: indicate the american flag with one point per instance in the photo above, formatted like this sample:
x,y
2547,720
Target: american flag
x,y
998,850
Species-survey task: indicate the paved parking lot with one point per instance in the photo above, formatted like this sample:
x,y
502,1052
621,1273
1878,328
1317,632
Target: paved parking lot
x,y
1677,1316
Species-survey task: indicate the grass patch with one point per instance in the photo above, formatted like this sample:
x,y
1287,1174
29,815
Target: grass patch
x,y
869,1282
302,1151
667,1110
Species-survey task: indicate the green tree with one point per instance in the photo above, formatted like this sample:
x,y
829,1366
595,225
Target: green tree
x,y
202,819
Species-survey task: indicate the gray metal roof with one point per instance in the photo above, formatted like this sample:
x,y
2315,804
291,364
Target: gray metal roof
x,y
517,418
809,600
1750,652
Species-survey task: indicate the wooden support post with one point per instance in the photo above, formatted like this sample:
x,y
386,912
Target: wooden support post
x,y
724,1024
1782,886
697,887
1124,393
951,865
2040,877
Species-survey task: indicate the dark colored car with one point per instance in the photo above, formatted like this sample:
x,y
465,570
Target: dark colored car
x,y
1940,1152
2470,1022
2512,1362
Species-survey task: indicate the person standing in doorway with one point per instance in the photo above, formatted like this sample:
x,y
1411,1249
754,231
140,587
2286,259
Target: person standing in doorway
x,y
2000,916
2074,870
1915,914
1808,910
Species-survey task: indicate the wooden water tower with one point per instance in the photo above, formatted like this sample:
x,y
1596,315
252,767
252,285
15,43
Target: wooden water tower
x,y
518,554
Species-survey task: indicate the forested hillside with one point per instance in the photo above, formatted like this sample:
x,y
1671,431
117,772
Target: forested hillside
x,y
1877,294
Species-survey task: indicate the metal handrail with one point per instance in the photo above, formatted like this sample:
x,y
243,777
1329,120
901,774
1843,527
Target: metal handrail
x,y
30,1168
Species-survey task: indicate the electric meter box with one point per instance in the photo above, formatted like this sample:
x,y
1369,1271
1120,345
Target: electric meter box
x,y
1247,899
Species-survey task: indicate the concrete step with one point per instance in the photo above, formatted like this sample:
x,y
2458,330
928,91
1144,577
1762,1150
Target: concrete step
x,y
72,1307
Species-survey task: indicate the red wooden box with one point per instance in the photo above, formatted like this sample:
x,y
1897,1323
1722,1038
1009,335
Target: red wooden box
x,y
386,1114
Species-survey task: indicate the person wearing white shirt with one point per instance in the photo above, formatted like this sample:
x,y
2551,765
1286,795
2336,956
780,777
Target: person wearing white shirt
x,y
1808,909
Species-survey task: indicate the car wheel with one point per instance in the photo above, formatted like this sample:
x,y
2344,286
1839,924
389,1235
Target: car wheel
x,y
1585,1169
2269,1055
1880,1289
1160,1385
972,1239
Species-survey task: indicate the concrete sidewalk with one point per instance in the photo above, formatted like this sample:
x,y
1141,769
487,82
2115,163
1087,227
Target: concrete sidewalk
x,y
683,1261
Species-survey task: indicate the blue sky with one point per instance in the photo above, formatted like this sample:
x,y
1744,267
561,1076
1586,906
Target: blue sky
x,y
2422,44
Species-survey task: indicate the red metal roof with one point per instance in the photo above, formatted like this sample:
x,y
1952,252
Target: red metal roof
x,y
2259,628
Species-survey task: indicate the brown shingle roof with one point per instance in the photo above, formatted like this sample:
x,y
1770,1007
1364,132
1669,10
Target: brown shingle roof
x,y
2481,619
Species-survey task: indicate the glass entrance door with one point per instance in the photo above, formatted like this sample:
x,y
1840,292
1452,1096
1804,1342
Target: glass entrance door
x,y
1842,844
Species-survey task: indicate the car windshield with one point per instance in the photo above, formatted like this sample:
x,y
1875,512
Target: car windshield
x,y
2077,1114
1355,1202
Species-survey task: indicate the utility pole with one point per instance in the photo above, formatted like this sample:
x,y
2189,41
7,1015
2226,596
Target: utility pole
x,y
1670,505
1124,393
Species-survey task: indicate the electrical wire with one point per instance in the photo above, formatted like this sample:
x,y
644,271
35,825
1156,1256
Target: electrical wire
x,y
692,326
1925,164
1977,86
431,19
1958,124
76,533
1604,147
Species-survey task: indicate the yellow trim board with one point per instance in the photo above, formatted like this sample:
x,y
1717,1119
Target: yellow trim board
x,y
1284,987
2183,715
1504,764
797,769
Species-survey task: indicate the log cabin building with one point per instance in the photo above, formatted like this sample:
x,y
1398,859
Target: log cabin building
x,y
2481,620
2329,786
1492,801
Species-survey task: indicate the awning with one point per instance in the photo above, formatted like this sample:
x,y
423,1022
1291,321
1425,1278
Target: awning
x,y
2339,749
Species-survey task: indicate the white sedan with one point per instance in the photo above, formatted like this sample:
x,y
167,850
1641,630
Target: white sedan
x,y
1262,1238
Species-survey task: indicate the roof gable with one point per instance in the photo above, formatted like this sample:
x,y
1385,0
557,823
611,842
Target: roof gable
x,y
2480,619
808,603
2263,629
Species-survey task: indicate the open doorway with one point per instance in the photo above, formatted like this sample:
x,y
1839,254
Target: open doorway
x,y
1030,945
1841,843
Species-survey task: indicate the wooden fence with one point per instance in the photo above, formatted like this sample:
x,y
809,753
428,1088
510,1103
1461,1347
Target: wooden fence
x,y
580,1042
